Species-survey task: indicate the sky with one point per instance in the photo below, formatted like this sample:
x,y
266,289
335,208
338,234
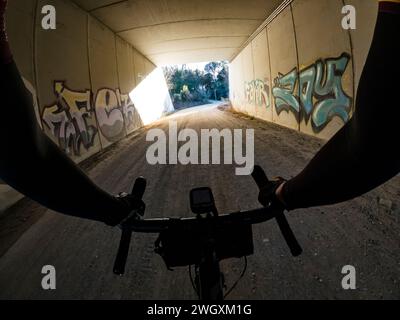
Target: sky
x,y
194,66
199,65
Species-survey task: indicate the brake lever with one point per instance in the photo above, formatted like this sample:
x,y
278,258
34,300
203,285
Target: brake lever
x,y
262,181
126,235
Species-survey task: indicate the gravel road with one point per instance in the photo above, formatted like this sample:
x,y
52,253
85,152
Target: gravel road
x,y
364,233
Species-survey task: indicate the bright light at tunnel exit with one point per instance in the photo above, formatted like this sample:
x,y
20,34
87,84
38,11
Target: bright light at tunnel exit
x,y
151,97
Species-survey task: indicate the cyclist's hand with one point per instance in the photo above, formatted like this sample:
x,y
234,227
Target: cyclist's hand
x,y
130,207
269,194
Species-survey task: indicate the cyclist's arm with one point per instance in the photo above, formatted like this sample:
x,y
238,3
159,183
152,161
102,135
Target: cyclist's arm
x,y
32,164
365,152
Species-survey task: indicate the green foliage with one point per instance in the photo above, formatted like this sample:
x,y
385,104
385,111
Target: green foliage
x,y
187,85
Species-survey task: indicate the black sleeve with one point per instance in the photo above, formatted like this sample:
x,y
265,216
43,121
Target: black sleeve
x,y
32,164
365,152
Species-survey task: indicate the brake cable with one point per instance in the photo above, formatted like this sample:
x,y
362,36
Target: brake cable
x,y
238,280
192,281
230,290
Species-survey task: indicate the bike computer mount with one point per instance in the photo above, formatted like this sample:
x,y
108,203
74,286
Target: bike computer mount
x,y
202,201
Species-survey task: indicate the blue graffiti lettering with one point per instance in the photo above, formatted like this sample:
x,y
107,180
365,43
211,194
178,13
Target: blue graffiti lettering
x,y
283,92
320,93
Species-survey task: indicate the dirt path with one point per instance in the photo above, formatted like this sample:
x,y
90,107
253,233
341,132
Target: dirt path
x,y
362,233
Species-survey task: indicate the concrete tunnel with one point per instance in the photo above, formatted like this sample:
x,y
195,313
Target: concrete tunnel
x,y
286,58
96,79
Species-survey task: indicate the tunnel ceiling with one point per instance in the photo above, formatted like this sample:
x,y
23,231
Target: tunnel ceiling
x,y
183,31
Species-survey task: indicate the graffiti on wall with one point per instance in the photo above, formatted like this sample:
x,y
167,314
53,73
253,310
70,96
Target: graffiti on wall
x,y
129,112
72,119
315,93
257,93
109,115
115,114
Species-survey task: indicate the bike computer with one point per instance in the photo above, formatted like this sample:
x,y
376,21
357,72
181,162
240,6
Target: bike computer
x,y
202,201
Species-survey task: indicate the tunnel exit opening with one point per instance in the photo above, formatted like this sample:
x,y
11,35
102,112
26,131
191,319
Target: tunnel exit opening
x,y
197,84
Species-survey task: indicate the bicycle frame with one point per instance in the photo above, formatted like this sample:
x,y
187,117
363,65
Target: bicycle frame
x,y
209,277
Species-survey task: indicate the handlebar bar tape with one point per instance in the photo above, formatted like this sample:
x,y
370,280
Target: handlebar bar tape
x,y
126,236
123,250
288,234
139,188
261,180
259,177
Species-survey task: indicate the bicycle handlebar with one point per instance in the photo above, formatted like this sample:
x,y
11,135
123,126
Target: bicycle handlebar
x,y
158,225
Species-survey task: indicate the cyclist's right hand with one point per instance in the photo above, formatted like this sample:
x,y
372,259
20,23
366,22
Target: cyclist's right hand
x,y
268,189
268,198
268,194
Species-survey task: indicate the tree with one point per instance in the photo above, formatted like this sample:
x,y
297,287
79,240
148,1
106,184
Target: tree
x,y
193,86
218,79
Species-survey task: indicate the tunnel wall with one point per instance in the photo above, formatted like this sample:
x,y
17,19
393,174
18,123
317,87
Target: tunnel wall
x,y
302,70
80,76
81,73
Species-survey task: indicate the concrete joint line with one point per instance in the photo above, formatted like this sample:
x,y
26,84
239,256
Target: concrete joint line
x,y
267,21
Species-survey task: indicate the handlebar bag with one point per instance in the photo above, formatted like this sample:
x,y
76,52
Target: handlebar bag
x,y
183,247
